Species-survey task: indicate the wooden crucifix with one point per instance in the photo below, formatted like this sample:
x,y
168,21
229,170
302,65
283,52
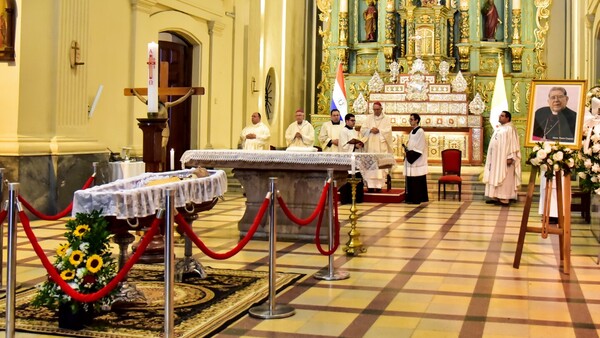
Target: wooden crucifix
x,y
156,128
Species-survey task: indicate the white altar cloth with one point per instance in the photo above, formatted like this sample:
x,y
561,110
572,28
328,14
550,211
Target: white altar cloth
x,y
131,198
268,159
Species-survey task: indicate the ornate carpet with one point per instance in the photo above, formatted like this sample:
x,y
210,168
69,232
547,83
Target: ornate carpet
x,y
202,306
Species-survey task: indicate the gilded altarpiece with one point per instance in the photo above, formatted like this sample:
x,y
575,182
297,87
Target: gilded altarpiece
x,y
435,31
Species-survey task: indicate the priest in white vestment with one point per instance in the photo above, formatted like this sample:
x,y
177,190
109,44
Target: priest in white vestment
x,y
255,136
300,133
502,172
377,130
330,132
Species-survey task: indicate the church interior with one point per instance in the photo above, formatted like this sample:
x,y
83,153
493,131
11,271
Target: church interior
x,y
101,75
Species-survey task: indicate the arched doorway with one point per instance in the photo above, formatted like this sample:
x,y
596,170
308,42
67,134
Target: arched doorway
x,y
177,53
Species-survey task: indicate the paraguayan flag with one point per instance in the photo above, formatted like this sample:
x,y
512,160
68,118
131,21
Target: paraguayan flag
x,y
338,96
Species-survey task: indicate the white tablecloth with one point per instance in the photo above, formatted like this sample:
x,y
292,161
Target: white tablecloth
x,y
364,161
130,197
126,169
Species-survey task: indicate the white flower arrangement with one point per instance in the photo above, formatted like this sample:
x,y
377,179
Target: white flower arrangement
x,y
552,157
588,168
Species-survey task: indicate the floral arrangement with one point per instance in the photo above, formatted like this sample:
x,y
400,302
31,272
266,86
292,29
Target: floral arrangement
x,y
552,158
588,168
84,261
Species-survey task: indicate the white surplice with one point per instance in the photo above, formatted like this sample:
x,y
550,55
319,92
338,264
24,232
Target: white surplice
x,y
503,181
261,142
381,142
330,132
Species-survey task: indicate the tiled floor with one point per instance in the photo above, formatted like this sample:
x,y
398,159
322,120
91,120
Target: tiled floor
x,y
442,269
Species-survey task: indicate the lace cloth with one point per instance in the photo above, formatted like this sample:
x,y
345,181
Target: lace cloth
x,y
267,159
131,198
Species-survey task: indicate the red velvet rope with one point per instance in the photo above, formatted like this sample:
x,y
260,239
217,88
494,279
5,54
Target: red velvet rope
x,y
2,216
87,297
336,238
191,235
316,212
61,214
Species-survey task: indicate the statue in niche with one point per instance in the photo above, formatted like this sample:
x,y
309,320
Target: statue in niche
x,y
491,20
370,16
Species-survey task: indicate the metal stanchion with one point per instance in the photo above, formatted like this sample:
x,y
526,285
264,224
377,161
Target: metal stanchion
x,y
272,310
13,192
331,274
169,262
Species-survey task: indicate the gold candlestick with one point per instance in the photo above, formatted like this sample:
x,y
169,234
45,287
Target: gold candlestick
x,y
354,246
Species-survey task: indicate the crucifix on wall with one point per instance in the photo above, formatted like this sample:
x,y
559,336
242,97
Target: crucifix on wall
x,y
156,126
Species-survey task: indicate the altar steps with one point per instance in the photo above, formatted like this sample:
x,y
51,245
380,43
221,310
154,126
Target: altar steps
x,y
394,195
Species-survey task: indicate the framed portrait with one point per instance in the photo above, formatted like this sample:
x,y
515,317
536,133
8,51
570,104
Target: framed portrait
x,y
7,30
556,112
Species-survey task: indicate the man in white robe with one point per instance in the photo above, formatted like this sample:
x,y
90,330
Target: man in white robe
x,y
330,131
351,142
502,172
255,136
377,130
350,139
300,133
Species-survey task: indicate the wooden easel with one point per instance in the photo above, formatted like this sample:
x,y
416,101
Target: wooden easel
x,y
153,152
563,230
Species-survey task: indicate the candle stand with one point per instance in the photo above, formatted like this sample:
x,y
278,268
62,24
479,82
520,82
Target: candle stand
x,y
354,246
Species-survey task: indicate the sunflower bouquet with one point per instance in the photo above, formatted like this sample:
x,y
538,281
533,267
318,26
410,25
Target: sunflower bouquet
x,y
84,261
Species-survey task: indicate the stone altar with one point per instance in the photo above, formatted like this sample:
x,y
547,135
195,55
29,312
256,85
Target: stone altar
x,y
300,180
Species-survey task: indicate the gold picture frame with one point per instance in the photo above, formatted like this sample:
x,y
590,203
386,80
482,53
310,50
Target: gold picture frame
x,y
556,112
7,30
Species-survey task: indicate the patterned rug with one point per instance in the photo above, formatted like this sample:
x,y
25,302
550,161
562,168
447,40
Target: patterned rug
x,y
202,306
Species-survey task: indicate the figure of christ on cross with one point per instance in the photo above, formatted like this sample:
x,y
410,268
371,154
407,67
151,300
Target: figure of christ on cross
x,y
163,107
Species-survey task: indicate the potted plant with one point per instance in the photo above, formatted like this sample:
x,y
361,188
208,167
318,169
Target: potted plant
x,y
84,261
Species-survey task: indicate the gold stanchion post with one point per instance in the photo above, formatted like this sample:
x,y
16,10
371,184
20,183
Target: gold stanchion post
x,y
354,246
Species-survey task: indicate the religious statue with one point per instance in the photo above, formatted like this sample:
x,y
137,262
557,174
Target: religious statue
x,y
491,20
370,16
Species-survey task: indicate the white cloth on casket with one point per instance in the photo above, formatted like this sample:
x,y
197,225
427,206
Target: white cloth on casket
x,y
381,142
262,137
503,181
330,132
307,131
132,197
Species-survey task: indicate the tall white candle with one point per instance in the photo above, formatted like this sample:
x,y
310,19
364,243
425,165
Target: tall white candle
x,y
343,5
353,164
516,4
172,152
153,77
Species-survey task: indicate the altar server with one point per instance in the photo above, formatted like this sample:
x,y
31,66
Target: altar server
x,y
300,133
330,131
350,139
377,131
415,163
255,136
